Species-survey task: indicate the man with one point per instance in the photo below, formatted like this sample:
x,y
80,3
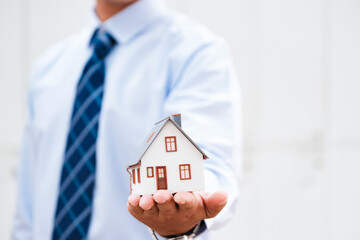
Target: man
x,y
92,100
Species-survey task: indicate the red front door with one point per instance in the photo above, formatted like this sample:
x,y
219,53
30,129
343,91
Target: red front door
x,y
161,178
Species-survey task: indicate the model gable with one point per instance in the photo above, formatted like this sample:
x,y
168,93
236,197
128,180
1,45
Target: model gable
x,y
170,140
170,145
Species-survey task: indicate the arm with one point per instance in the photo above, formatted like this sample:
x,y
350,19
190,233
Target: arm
x,y
23,220
205,91
22,226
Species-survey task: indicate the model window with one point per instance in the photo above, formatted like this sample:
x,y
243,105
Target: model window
x,y
133,176
150,172
138,175
170,144
185,172
161,173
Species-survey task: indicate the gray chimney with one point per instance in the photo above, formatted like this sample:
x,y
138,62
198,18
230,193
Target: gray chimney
x,y
177,118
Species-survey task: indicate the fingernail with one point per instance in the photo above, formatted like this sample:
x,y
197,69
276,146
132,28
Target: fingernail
x,y
223,202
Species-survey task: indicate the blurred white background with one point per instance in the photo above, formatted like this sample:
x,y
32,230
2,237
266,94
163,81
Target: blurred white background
x,y
299,67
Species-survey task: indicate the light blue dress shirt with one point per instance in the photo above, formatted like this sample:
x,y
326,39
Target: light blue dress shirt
x,y
164,63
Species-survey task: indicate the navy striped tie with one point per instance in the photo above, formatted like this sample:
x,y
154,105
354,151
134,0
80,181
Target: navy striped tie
x,y
74,204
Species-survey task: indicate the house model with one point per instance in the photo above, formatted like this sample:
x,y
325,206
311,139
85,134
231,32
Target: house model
x,y
168,159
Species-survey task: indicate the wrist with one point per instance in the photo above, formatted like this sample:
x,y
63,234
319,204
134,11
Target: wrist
x,y
178,236
191,234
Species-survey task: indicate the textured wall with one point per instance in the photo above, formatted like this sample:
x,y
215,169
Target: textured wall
x,y
298,63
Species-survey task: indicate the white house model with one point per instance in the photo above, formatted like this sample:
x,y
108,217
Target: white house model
x,y
168,160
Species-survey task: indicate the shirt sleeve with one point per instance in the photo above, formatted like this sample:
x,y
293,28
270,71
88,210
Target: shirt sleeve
x,y
23,221
206,92
22,225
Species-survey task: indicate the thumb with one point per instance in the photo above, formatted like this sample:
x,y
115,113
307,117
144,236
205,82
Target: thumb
x,y
214,202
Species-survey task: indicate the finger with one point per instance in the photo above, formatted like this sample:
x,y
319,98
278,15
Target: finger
x,y
185,200
214,203
146,202
165,202
133,205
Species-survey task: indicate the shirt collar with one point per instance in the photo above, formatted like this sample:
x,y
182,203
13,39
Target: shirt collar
x,y
130,21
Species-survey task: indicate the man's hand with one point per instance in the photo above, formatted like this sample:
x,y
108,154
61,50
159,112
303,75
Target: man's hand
x,y
172,215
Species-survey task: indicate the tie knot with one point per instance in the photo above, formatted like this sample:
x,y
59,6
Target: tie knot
x,y
103,43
